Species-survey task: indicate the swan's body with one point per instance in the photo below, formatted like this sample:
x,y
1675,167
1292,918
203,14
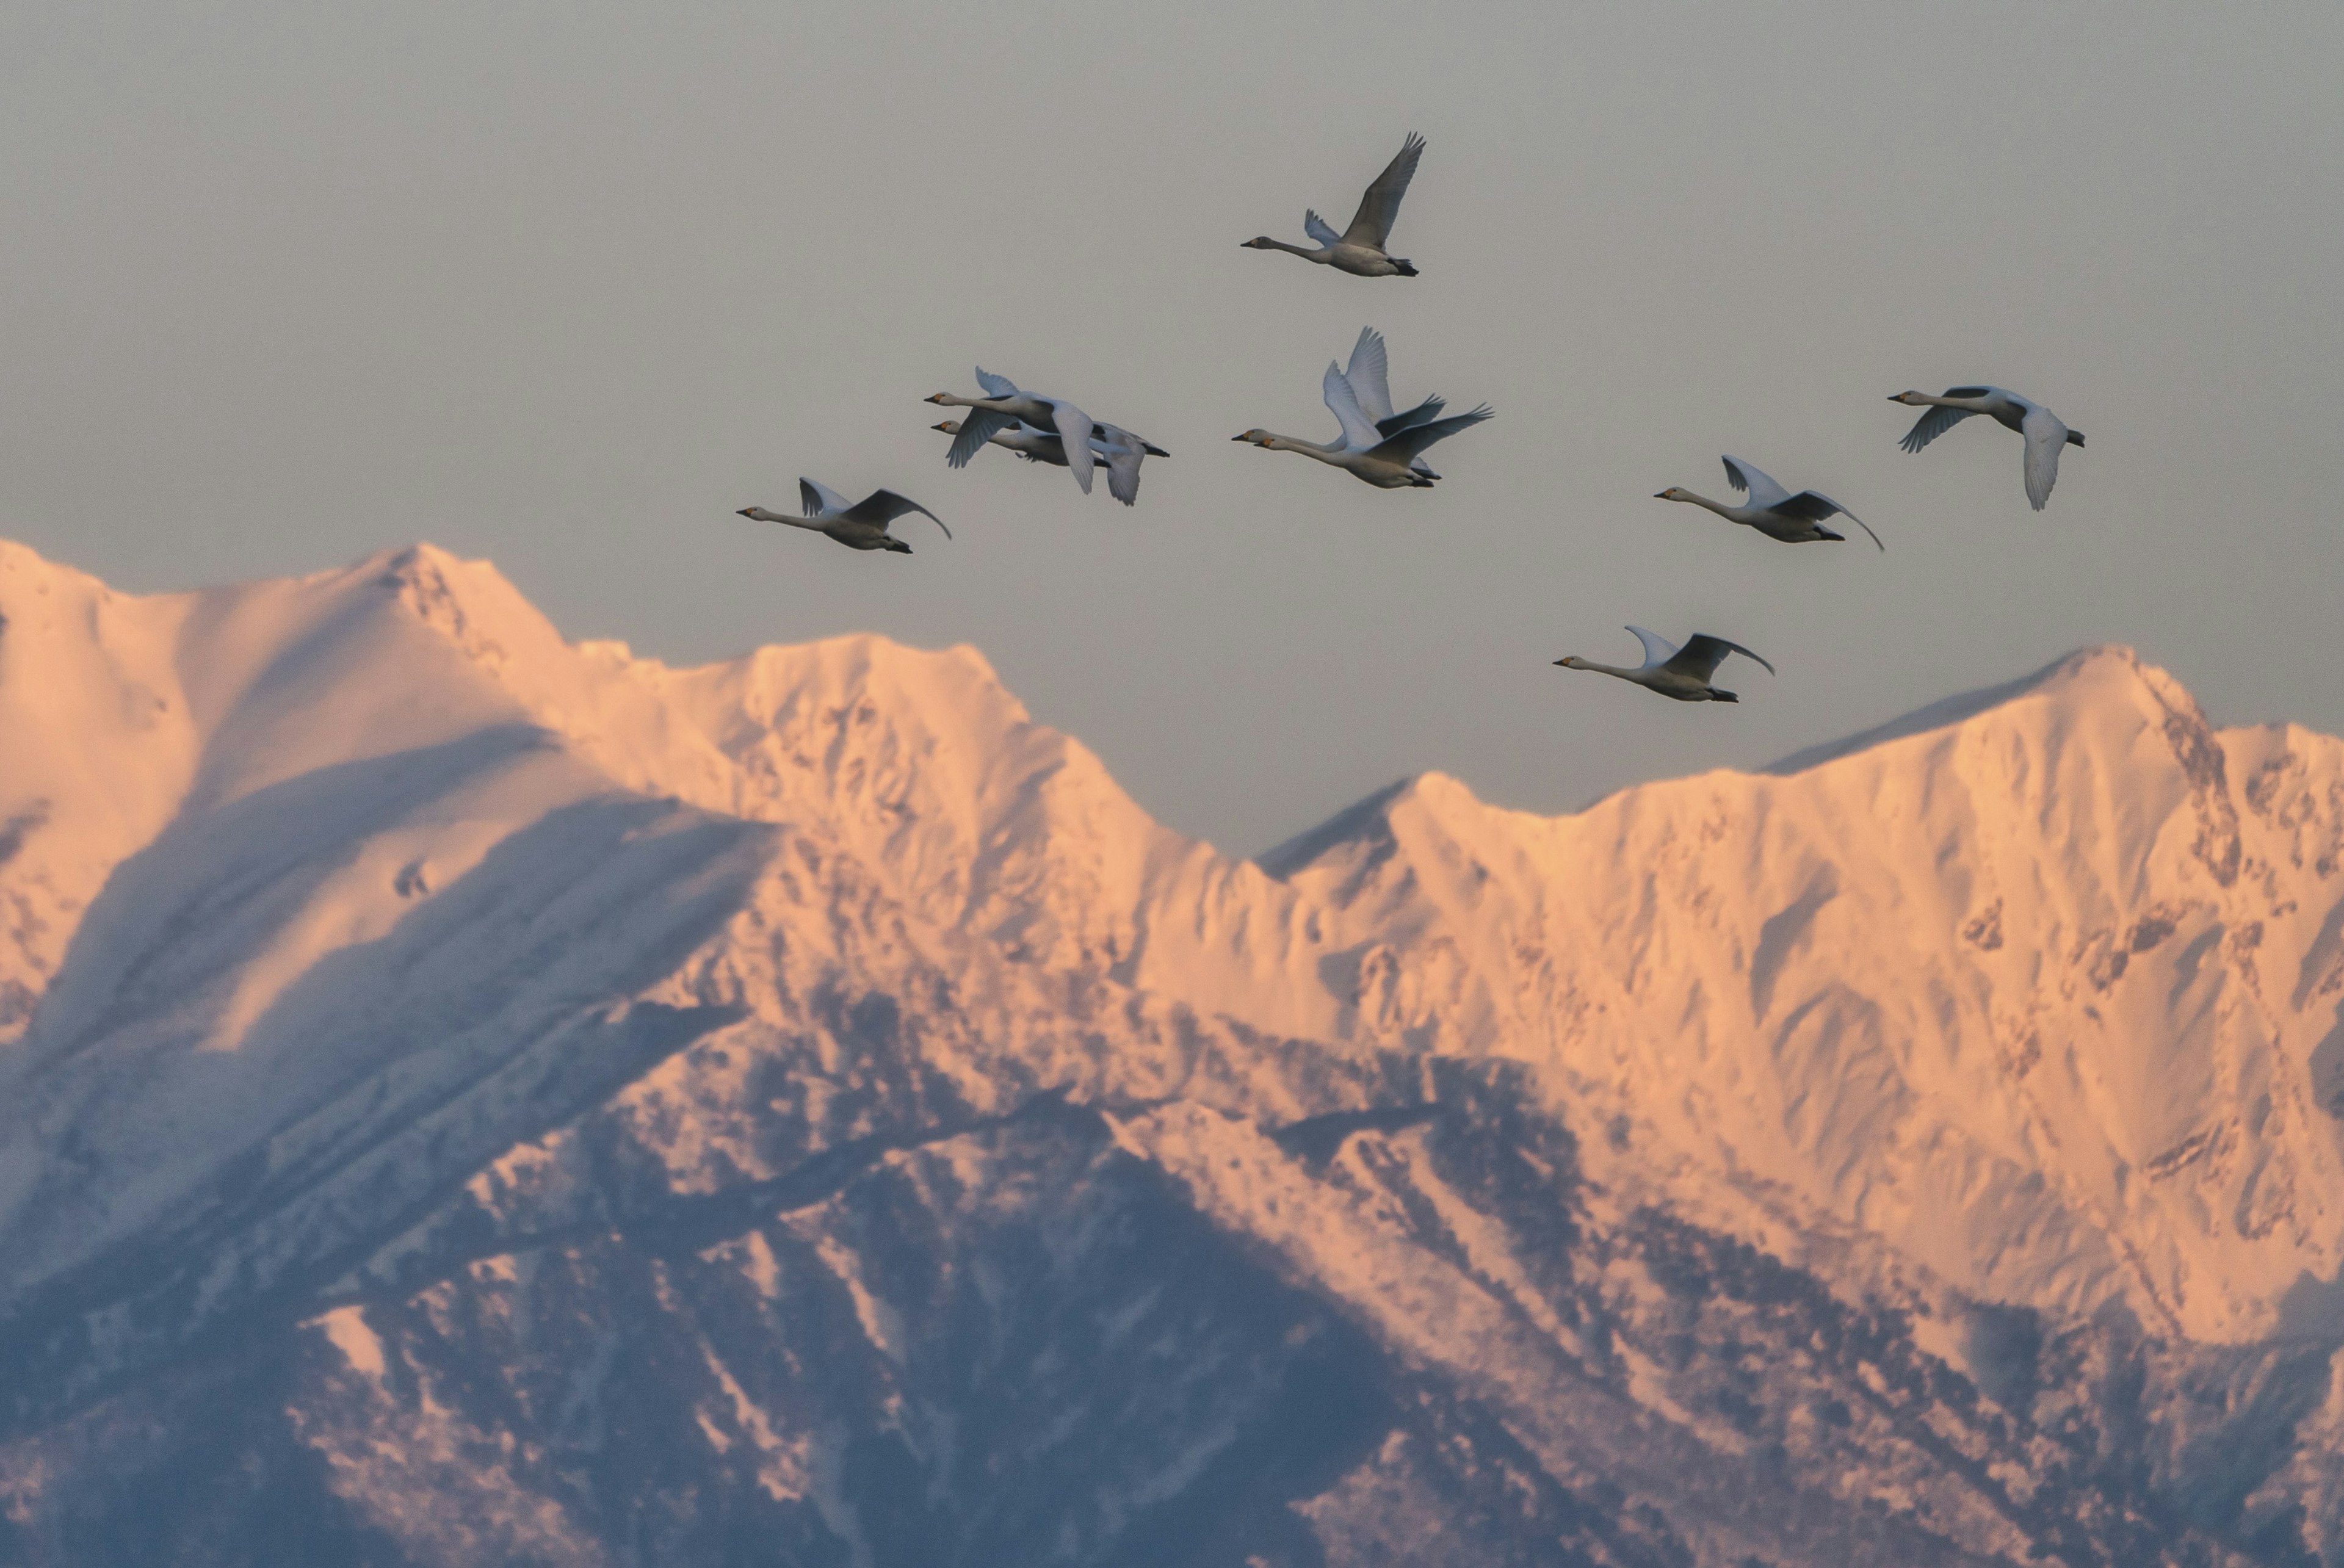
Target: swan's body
x,y
1683,673
1005,405
1110,444
858,525
1774,510
1359,249
1382,447
2046,436
1035,446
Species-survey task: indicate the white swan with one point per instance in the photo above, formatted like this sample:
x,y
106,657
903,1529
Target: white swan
x,y
1774,510
2044,432
1359,249
858,525
1004,405
1111,444
1683,673
1387,456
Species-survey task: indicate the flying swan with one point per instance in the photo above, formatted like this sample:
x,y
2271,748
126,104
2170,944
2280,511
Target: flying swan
x,y
1004,405
1683,673
1111,444
1384,448
1359,249
1772,509
2044,432
858,525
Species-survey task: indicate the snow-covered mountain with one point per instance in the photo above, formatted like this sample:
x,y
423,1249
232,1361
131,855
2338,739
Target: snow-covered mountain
x,y
467,1097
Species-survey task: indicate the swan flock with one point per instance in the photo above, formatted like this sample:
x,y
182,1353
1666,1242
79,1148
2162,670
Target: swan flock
x,y
1385,447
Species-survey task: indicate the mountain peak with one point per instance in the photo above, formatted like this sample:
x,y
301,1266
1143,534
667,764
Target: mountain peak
x,y
2087,677
470,602
23,570
423,555
16,557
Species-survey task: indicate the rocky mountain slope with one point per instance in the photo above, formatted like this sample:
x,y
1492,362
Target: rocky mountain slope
x,y
466,1098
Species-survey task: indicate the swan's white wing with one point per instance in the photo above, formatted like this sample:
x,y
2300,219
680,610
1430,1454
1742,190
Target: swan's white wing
x,y
881,507
1932,425
995,385
981,425
1763,491
1701,656
1369,375
1075,430
1371,225
820,500
2045,436
1749,477
1657,649
1360,431
1123,452
1317,229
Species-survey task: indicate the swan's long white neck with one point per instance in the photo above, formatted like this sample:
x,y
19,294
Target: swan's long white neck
x,y
1330,453
1717,506
762,515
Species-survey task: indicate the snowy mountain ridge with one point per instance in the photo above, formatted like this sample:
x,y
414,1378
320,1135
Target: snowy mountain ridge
x,y
403,1000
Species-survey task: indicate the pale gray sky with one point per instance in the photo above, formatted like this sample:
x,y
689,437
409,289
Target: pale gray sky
x,y
564,285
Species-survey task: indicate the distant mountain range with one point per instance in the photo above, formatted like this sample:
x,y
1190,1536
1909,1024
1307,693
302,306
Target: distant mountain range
x,y
468,1098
